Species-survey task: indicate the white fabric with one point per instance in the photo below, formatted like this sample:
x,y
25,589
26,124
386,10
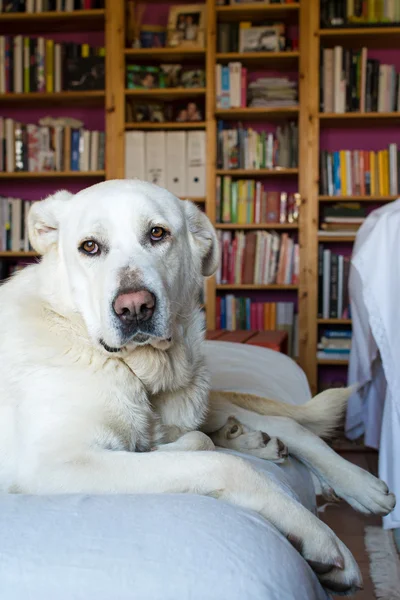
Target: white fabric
x,y
375,354
164,547
255,370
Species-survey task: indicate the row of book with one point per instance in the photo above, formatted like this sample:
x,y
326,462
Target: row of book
x,y
266,2
248,37
333,290
258,257
360,172
352,82
245,201
42,65
246,148
174,159
38,6
13,224
339,13
334,344
342,218
55,147
232,90
235,313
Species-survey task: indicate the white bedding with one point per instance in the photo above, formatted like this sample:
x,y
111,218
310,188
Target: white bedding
x,y
171,547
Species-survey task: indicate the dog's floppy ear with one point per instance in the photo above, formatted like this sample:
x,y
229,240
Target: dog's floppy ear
x,y
204,237
44,218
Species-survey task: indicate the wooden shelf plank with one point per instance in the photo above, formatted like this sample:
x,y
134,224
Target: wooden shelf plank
x,y
358,119
86,98
284,226
167,93
331,362
257,11
260,114
255,286
51,174
286,60
278,172
21,254
77,20
167,125
373,37
357,198
165,54
334,321
336,238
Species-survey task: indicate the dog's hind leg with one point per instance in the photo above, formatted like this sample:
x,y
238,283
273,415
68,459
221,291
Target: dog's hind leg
x,y
236,436
360,489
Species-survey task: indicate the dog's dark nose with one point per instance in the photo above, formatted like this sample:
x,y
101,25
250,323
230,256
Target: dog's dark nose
x,y
134,306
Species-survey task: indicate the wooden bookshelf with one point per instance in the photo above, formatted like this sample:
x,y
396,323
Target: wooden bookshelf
x,y
357,198
255,286
167,125
166,93
360,119
257,11
52,174
334,321
332,362
273,226
328,239
21,254
258,172
154,55
283,60
373,37
52,21
259,114
34,99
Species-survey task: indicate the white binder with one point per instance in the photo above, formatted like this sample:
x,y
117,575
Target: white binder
x,y
135,167
156,158
196,152
176,163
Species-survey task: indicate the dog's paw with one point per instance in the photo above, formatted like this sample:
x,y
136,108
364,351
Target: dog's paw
x,y
330,559
274,450
367,494
344,581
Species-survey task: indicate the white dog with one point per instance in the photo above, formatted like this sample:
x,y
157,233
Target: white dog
x,y
101,361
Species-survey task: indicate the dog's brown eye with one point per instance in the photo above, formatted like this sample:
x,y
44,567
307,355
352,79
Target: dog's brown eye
x,y
157,234
89,247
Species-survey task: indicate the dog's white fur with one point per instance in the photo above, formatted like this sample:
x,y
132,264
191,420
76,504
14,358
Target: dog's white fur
x,y
82,399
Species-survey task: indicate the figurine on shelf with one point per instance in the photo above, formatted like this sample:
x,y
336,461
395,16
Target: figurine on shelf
x,y
135,14
189,113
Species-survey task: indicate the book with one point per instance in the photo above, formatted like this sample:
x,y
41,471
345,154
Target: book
x,y
351,81
245,314
35,148
245,148
40,65
333,274
360,172
257,257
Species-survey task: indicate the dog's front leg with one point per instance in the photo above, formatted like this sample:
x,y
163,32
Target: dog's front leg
x,y
211,474
360,489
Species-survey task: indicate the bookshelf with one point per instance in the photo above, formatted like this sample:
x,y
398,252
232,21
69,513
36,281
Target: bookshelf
x,y
296,61
322,129
78,26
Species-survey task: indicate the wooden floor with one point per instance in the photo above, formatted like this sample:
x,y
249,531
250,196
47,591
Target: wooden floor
x,y
349,525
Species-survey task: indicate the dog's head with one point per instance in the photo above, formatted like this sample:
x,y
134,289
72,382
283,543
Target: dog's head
x,y
130,256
